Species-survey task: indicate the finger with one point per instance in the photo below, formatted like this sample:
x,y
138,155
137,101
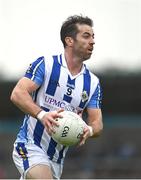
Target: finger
x,y
58,113
50,128
86,133
83,139
85,136
80,114
82,142
53,122
49,132
60,110
85,129
47,128
53,130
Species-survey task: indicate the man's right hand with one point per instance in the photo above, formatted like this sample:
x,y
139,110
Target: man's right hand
x,y
49,120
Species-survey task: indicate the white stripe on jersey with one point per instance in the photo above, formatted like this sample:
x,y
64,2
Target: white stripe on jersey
x,y
98,94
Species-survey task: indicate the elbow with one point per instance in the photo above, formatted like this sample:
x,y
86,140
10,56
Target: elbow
x,y
14,96
98,133
98,130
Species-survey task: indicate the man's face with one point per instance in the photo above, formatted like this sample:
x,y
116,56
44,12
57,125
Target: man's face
x,y
83,44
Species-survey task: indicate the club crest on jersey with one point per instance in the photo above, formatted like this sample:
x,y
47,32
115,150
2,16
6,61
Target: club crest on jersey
x,y
84,96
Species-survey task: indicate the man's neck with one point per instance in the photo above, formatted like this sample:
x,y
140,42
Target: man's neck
x,y
74,64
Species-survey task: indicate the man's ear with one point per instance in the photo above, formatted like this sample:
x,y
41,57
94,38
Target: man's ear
x,y
69,41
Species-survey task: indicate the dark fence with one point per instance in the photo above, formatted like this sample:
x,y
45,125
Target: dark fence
x,y
121,94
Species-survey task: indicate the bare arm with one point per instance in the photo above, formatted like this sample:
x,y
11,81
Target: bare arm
x,y
94,121
22,99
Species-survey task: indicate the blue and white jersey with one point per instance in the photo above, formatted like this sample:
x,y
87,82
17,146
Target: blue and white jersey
x,y
57,89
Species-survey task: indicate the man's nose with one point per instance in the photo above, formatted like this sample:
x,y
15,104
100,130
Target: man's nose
x,y
92,41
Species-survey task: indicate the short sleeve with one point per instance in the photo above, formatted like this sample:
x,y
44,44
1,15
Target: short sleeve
x,y
96,99
36,71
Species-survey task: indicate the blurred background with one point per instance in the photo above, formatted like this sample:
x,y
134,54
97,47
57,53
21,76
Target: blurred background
x,y
29,29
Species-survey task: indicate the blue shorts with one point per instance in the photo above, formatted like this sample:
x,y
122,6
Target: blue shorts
x,y
26,156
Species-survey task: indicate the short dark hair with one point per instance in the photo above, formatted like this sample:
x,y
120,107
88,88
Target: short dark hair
x,y
69,27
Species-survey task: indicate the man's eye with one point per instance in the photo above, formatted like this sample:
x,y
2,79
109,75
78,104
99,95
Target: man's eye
x,y
86,36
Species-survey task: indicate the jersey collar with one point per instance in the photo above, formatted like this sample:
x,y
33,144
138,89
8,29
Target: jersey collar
x,y
63,63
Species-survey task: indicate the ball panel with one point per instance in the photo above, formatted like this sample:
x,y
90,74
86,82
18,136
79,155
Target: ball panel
x,y
66,132
70,129
59,130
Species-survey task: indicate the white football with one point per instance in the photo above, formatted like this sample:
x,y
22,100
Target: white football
x,y
70,129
